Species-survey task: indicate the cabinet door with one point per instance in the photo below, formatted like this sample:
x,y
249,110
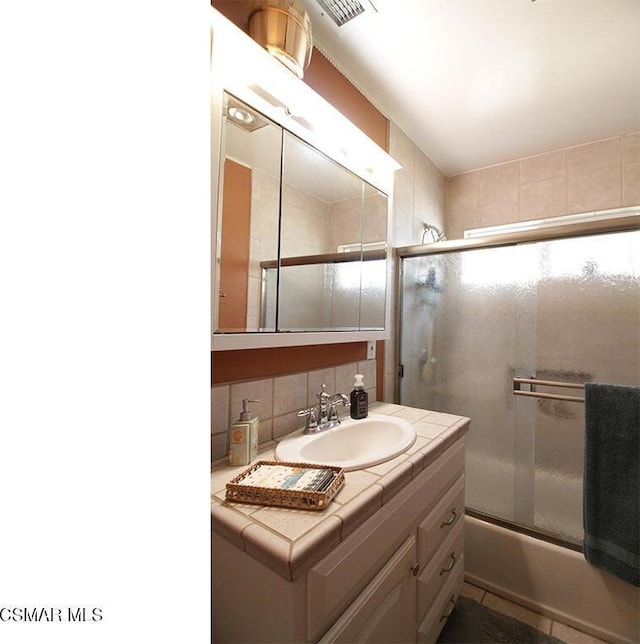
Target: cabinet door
x,y
385,610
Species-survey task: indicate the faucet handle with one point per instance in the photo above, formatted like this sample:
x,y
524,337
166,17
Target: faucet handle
x,y
334,401
323,396
311,416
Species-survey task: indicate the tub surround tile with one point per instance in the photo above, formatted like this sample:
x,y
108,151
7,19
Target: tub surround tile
x,y
596,176
597,189
498,194
543,166
631,184
631,148
541,199
289,541
462,193
599,154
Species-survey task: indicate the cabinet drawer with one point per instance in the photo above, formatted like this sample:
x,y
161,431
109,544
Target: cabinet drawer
x,y
341,576
441,522
446,563
436,618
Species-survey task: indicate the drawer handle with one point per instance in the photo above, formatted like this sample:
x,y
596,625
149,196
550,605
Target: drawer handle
x,y
447,613
452,563
415,570
451,520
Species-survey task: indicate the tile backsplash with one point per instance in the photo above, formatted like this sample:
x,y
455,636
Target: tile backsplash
x,y
281,398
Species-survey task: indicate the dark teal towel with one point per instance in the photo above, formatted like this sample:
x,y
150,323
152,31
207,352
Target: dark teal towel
x,y
612,479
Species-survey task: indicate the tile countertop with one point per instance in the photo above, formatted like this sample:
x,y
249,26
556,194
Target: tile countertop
x,y
289,541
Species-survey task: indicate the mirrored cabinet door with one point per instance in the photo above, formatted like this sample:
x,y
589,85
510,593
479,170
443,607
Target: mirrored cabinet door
x,y
373,292
248,230
320,242
301,239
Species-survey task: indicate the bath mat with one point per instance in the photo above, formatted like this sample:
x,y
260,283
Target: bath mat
x,y
472,623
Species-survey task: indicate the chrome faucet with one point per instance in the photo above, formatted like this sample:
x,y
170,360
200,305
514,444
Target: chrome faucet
x,y
324,415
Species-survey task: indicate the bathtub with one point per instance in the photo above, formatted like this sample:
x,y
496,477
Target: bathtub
x,y
552,580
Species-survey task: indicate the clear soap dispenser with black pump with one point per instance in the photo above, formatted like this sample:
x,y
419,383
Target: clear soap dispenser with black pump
x,y
359,399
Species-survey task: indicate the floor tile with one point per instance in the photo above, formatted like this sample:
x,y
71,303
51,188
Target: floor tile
x,y
473,592
572,636
520,613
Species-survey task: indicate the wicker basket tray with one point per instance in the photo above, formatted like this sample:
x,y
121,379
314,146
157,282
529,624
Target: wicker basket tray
x,y
284,497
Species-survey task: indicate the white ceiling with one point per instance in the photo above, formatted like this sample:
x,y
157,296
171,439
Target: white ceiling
x,y
480,82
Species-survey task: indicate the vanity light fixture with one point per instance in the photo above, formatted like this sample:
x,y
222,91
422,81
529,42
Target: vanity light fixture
x,y
255,78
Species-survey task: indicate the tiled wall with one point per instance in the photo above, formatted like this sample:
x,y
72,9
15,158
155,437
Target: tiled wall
x,y
418,198
595,176
280,400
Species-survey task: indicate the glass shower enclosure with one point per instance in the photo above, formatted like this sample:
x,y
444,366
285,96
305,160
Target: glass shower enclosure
x,y
479,321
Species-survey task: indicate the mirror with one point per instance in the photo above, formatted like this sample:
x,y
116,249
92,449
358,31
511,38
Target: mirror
x,y
302,240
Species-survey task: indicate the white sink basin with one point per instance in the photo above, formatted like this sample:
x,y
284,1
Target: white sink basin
x,y
353,445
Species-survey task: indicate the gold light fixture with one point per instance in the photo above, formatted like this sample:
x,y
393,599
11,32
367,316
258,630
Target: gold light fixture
x,y
283,28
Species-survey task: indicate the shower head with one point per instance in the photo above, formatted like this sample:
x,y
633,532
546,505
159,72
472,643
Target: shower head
x,y
436,234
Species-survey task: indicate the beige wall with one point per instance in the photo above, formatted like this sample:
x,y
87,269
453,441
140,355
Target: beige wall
x,y
594,176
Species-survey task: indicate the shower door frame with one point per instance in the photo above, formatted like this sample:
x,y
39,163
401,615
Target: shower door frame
x,y
624,223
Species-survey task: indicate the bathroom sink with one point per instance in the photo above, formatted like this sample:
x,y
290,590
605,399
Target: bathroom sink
x,y
352,445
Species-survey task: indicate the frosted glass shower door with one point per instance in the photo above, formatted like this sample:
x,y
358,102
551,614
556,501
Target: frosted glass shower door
x,y
565,310
468,321
587,330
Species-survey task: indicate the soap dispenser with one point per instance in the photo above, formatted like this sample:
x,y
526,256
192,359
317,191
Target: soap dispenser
x,y
359,399
243,436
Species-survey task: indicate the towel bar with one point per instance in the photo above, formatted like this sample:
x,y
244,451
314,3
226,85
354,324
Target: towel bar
x,y
517,391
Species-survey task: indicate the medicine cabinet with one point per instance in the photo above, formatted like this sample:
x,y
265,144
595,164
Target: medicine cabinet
x,y
300,239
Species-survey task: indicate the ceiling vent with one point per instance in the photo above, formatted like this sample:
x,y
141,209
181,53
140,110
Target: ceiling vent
x,y
344,11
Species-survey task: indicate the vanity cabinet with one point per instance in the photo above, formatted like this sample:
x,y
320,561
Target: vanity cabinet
x,y
393,579
385,610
